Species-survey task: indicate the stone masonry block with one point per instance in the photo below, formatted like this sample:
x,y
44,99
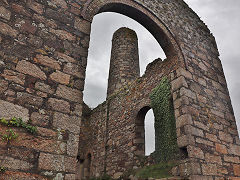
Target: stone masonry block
x,y
9,110
51,162
15,164
74,70
47,61
60,77
69,93
59,105
26,67
8,30
44,88
234,149
183,120
32,4
16,77
209,169
195,152
178,83
82,25
65,122
72,145
4,13
25,98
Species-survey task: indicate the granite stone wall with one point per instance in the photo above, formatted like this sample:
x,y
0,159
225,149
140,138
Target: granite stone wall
x,y
43,58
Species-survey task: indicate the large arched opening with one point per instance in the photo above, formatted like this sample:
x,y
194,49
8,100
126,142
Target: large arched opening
x,y
157,29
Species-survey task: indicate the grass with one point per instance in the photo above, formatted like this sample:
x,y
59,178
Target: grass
x,y
161,170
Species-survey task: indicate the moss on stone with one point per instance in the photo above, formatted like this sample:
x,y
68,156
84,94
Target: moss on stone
x,y
165,124
161,170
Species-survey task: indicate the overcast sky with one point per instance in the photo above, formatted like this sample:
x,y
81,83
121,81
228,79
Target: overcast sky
x,y
221,16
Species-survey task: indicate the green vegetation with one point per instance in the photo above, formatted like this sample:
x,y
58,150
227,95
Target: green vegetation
x,y
18,122
11,135
161,170
165,125
2,169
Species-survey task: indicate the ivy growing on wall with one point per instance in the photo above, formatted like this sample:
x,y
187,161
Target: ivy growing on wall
x,y
165,125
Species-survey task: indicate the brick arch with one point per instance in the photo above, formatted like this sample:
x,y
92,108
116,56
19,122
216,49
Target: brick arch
x,y
145,17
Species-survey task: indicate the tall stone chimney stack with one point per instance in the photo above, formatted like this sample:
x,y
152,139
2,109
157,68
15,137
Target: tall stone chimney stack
x,y
124,63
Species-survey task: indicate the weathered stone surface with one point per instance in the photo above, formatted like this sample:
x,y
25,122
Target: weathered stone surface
x,y
195,152
26,67
15,164
9,110
65,122
20,9
73,69
231,159
70,164
234,149
78,110
65,58
60,77
64,35
209,169
8,30
184,120
26,26
211,158
44,87
72,145
178,83
51,162
69,93
34,40
225,137
70,177
59,105
3,85
4,13
45,60
236,169
221,148
58,3
58,16
39,143
82,25
40,119
14,76
47,132
22,176
32,4
25,98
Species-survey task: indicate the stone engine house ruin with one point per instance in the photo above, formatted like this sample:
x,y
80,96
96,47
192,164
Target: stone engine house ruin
x,y
47,131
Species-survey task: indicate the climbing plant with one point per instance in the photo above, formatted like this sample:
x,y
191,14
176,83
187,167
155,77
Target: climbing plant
x,y
18,122
165,125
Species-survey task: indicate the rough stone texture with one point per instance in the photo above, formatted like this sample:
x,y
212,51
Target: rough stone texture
x,y
59,105
60,77
69,93
45,60
39,37
9,110
26,67
4,13
7,30
124,63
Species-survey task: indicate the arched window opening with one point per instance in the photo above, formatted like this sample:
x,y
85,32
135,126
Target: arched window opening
x,y
149,133
145,131
103,27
